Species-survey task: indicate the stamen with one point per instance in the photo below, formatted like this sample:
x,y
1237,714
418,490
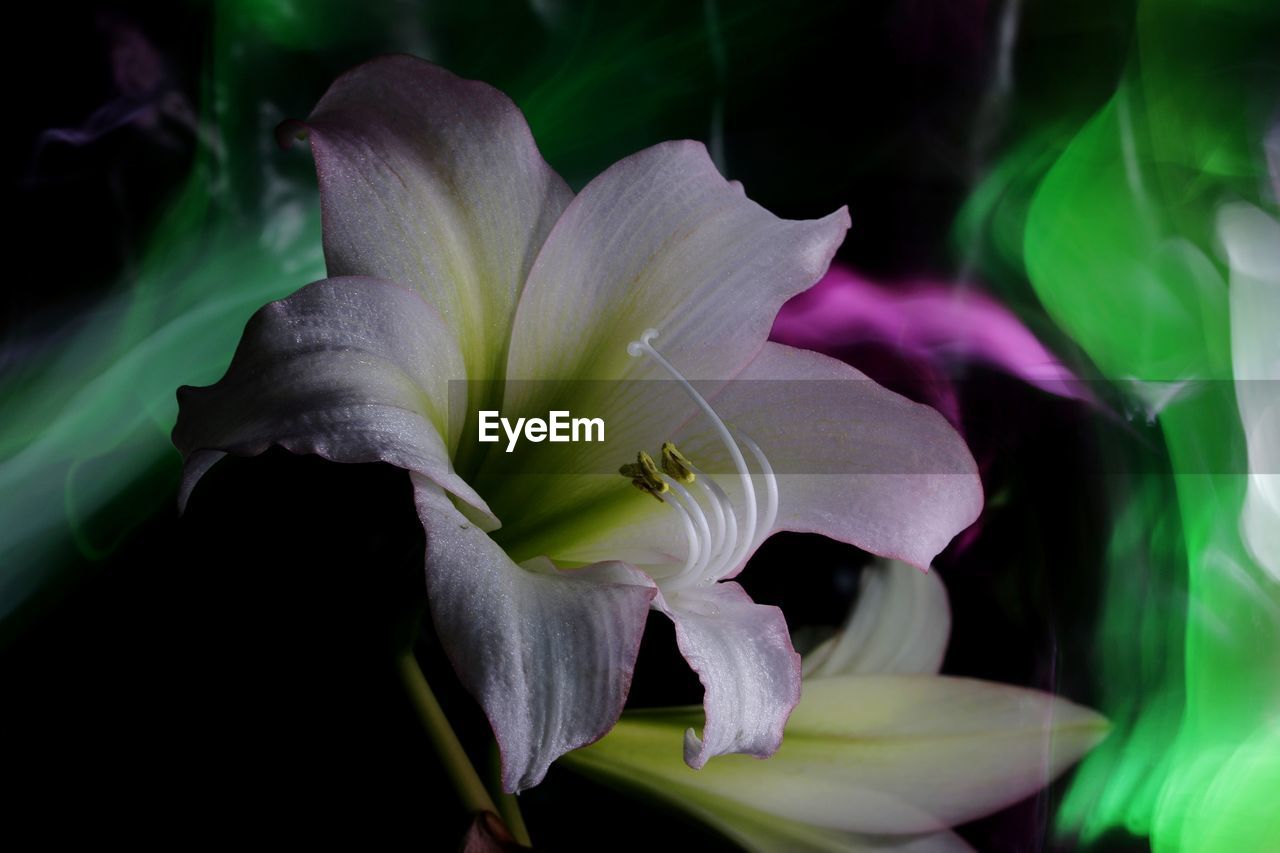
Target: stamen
x,y
706,485
691,538
715,546
644,475
644,347
675,464
694,567
644,487
771,489
728,543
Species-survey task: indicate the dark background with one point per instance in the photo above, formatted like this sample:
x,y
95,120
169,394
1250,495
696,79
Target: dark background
x,y
230,674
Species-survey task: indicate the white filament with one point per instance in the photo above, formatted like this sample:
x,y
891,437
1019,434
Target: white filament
x,y
694,543
771,490
720,548
704,555
718,506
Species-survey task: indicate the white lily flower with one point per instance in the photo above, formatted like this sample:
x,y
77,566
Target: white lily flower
x,y
456,253
882,753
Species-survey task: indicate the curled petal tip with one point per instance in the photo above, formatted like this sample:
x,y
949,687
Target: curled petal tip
x,y
693,749
742,654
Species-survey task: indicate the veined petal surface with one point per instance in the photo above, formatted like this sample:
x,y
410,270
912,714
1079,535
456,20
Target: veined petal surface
x,y
876,755
660,239
900,623
855,461
548,654
435,182
743,655
350,369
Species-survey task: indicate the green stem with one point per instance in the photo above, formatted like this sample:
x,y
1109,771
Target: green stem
x,y
463,775
509,808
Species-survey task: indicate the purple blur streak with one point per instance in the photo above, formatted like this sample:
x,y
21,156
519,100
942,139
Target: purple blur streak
x,y
930,326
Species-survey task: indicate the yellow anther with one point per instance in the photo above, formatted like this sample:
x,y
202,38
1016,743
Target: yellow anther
x,y
649,467
648,490
644,475
675,464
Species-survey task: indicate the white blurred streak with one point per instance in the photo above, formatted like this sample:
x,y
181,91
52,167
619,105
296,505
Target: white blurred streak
x,y
992,115
1251,242
900,624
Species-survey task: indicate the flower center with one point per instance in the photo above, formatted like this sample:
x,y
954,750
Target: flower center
x,y
716,543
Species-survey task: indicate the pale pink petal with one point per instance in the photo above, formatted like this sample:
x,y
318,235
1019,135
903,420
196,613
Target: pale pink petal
x,y
743,655
854,461
662,240
435,182
350,369
548,654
